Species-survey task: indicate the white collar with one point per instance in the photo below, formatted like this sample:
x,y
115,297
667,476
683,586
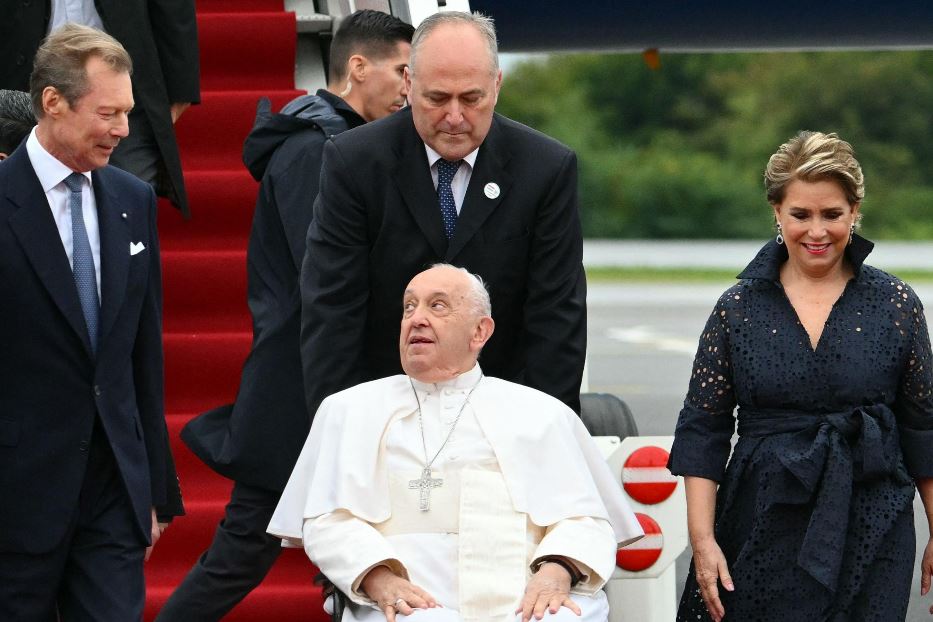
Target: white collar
x,y
48,168
464,382
434,156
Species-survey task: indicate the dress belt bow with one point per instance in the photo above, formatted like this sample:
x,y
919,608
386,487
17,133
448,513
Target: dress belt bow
x,y
826,454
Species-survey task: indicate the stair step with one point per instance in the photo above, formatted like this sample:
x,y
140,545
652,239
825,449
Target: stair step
x,y
186,538
211,134
287,593
202,370
245,6
222,205
261,55
271,601
205,291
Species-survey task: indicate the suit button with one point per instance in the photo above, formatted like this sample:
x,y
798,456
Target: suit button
x,y
97,390
83,445
20,59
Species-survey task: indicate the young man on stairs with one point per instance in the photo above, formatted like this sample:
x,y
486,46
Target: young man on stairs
x,y
256,440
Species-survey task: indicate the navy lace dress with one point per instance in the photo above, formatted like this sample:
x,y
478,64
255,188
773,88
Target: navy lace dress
x,y
814,512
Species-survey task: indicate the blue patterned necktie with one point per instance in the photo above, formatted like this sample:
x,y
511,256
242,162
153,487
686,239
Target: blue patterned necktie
x,y
83,260
445,174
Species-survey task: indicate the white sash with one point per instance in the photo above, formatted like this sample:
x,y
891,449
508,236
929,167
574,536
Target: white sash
x,y
495,543
493,548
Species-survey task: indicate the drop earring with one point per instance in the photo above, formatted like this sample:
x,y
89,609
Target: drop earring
x,y
851,233
779,238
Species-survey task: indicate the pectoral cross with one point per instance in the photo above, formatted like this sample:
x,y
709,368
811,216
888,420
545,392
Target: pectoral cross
x,y
424,484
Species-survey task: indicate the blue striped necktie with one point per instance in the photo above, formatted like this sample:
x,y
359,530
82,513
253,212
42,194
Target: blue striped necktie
x,y
445,195
83,260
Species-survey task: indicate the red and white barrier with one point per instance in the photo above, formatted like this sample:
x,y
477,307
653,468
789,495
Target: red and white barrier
x,y
645,553
643,587
645,476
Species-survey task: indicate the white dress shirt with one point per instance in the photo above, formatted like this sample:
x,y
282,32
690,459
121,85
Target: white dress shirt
x,y
461,180
52,174
77,11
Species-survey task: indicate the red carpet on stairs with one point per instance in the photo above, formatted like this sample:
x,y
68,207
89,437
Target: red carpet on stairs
x,y
247,51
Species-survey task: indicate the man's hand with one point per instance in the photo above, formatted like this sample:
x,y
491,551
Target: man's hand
x,y
157,529
178,109
394,594
710,567
549,589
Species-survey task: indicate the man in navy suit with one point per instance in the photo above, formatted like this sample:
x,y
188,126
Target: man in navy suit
x,y
446,180
82,431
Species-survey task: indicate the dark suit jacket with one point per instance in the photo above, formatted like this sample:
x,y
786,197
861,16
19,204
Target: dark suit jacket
x,y
161,37
377,223
257,439
52,387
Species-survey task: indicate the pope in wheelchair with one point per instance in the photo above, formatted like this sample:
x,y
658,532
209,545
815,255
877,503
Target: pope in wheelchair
x,y
446,495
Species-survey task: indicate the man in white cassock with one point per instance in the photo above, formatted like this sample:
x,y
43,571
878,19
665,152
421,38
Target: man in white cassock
x,y
446,495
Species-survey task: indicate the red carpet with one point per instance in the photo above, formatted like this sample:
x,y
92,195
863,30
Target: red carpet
x,y
247,51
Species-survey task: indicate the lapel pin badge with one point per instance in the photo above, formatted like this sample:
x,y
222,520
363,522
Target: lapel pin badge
x,y
123,215
491,190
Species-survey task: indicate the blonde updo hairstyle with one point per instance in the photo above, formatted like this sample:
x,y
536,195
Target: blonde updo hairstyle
x,y
813,157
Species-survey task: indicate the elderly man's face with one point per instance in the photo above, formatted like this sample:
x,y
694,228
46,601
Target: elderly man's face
x,y
453,91
441,333
83,136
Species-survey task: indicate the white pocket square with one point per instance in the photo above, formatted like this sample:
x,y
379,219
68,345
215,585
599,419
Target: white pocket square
x,y
136,248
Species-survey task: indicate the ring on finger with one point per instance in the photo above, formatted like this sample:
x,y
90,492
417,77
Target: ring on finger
x,y
397,601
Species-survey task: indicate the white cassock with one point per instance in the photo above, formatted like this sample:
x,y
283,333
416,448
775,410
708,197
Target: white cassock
x,y
521,479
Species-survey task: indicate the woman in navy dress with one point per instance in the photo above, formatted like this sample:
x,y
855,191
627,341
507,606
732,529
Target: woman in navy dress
x,y
828,361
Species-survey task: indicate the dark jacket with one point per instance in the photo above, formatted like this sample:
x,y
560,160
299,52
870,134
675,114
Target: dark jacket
x,y
162,39
257,439
377,223
53,388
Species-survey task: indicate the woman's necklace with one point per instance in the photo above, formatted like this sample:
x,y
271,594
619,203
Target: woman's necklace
x,y
425,483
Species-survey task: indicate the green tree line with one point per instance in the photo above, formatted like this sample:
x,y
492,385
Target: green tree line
x,y
679,152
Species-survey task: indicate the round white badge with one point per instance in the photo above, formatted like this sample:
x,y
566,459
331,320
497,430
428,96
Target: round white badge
x,y
491,190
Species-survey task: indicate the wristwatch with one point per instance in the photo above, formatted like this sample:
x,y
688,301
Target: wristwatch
x,y
575,575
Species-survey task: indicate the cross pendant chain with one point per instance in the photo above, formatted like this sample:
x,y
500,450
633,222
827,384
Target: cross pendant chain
x,y
424,484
